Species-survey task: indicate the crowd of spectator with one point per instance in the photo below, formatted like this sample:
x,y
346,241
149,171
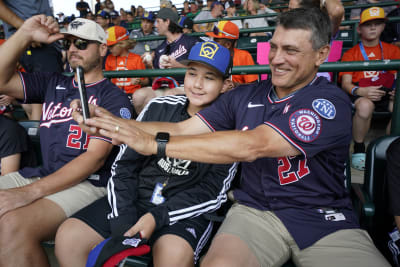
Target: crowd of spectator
x,y
171,48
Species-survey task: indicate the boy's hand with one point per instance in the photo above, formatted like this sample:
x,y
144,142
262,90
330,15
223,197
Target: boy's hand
x,y
145,226
374,93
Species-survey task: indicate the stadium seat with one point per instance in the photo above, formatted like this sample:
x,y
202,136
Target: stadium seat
x,y
376,220
33,130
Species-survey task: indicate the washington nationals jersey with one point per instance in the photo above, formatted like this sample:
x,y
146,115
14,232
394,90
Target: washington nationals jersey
x,y
61,138
317,121
178,49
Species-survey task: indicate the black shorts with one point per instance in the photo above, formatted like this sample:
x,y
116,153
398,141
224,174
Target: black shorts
x,y
196,231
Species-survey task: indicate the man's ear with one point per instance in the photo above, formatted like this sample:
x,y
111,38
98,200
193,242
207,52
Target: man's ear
x,y
103,50
323,54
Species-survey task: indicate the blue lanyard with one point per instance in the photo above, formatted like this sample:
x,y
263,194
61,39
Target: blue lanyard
x,y
364,54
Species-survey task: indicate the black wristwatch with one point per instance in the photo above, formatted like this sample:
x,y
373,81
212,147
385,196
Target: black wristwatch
x,y
162,140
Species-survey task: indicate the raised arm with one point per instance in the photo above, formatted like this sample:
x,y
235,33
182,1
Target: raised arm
x,y
37,28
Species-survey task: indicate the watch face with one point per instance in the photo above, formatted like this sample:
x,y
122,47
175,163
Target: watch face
x,y
162,137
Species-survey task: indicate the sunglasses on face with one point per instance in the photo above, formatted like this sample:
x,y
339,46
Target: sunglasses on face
x,y
217,30
78,43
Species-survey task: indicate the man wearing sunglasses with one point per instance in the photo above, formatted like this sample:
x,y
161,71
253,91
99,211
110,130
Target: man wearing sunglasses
x,y
226,33
35,201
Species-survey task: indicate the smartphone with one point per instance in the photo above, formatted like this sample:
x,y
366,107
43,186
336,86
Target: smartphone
x,y
82,93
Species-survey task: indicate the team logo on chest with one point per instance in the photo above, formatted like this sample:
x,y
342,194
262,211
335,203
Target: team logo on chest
x,y
324,108
305,124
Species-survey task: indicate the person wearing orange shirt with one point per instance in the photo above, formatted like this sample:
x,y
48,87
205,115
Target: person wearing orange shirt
x,y
226,34
121,59
369,90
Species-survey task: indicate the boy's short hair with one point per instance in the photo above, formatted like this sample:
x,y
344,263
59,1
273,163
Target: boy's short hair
x,y
372,13
213,55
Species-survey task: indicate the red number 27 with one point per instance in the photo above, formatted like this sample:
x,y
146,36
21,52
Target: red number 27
x,y
75,136
286,170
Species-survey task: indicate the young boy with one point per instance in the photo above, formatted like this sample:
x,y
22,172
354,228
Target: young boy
x,y
119,44
162,198
369,90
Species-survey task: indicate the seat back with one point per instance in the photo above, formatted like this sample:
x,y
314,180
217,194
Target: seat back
x,y
375,184
33,130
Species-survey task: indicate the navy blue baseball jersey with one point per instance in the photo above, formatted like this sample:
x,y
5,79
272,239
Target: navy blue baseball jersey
x,y
317,121
61,138
179,49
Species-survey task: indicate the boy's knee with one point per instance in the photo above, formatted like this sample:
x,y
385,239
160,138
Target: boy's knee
x,y
364,108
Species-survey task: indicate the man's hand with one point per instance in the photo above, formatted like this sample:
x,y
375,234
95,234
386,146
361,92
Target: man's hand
x,y
374,93
42,29
11,199
6,100
145,226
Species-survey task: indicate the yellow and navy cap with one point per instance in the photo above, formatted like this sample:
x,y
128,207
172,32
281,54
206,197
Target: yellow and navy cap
x,y
213,55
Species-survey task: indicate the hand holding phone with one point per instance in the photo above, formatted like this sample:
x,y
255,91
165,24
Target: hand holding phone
x,y
82,93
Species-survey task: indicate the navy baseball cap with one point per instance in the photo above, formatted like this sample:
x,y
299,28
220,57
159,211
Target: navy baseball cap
x,y
103,14
213,55
149,16
215,3
113,250
185,22
114,14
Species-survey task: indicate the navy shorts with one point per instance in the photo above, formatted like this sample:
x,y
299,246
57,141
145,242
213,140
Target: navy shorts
x,y
196,231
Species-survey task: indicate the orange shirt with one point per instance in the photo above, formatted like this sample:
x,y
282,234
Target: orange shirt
x,y
374,53
242,58
131,62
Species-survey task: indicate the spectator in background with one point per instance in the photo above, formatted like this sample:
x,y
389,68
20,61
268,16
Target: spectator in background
x,y
133,10
199,4
214,13
231,12
103,19
186,24
116,20
194,10
109,6
226,33
16,149
369,90
391,34
186,8
208,6
264,7
130,18
355,12
122,13
83,8
146,29
139,11
97,7
253,8
175,48
118,43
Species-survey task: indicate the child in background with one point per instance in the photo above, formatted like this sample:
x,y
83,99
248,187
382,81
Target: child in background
x,y
369,90
121,59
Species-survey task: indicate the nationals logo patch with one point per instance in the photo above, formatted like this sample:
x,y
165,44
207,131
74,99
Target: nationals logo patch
x,y
125,113
305,124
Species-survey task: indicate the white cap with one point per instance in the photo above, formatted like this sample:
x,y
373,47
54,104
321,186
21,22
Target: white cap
x,y
87,29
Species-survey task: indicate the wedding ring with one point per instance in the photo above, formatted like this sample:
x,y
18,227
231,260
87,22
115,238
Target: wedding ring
x,y
116,129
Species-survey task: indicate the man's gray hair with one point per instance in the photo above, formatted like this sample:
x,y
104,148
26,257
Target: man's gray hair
x,y
312,19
